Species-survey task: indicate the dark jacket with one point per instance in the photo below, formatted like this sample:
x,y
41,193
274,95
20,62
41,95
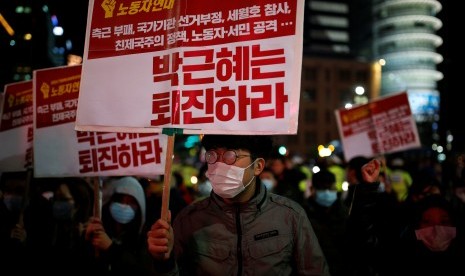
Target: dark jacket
x,y
369,231
329,224
269,235
416,259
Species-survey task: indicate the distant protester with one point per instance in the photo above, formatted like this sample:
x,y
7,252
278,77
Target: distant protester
x,y
118,238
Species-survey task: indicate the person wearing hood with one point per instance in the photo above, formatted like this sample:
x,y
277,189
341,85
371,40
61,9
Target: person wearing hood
x,y
117,238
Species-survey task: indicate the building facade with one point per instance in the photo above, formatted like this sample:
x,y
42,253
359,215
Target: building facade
x,y
327,85
343,37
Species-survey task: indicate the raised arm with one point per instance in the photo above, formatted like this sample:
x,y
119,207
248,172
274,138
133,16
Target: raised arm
x,y
370,171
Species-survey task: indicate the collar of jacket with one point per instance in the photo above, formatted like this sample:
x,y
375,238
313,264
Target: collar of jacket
x,y
255,204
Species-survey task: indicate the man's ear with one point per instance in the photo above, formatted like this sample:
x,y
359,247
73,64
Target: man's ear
x,y
259,166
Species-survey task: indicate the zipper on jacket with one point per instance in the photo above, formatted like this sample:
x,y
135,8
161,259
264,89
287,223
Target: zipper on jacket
x,y
239,240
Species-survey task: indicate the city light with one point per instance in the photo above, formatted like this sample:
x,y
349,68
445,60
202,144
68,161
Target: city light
x,y
360,97
7,26
325,151
345,186
316,169
21,9
58,31
359,90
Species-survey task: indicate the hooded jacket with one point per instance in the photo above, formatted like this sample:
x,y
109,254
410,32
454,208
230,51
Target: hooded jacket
x,y
130,186
127,253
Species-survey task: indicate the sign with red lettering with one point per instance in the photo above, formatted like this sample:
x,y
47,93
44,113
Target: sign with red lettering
x,y
385,125
16,127
60,150
205,67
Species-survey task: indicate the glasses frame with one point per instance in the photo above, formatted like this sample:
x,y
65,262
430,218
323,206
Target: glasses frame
x,y
217,155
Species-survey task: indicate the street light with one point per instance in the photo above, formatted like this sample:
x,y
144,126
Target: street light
x,y
360,97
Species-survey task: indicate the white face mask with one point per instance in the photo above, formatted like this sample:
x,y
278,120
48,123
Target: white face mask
x,y
226,179
436,238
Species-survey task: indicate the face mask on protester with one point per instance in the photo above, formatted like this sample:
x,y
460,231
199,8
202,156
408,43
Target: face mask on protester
x,y
226,179
122,213
268,184
437,237
325,197
62,210
13,202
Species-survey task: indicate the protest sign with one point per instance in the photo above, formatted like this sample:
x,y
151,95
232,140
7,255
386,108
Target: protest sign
x,y
225,67
16,127
230,67
384,125
59,150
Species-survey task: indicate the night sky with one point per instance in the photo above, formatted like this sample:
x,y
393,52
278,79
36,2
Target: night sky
x,y
451,87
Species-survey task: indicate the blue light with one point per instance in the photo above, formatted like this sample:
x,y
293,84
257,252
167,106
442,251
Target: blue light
x,y
69,44
54,20
191,141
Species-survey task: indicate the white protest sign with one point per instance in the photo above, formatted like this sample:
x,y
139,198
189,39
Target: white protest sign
x,y
384,125
59,150
202,66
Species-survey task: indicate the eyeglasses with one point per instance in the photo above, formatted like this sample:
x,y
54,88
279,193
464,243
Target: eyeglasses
x,y
228,157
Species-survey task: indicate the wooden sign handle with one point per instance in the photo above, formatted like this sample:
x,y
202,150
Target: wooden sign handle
x,y
167,178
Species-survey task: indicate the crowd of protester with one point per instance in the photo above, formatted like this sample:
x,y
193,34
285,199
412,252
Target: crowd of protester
x,y
411,222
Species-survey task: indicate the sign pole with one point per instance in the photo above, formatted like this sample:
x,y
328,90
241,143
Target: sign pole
x,y
167,179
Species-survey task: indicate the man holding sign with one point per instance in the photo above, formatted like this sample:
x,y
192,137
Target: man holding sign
x,y
241,228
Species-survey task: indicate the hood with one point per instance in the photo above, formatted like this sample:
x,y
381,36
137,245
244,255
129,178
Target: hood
x,y
130,186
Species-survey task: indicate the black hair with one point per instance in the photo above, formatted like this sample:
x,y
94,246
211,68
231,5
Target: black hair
x,y
433,201
258,145
81,191
422,181
323,179
275,155
7,178
356,163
